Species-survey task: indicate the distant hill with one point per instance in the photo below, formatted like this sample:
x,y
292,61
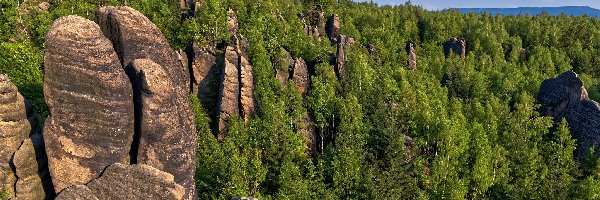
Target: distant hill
x,y
568,10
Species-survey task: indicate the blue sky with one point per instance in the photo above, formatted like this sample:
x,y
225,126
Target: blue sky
x,y
441,4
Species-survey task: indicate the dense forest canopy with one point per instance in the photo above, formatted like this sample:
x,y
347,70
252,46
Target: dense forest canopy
x,y
453,128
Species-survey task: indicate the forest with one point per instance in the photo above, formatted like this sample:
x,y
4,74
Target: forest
x,y
453,128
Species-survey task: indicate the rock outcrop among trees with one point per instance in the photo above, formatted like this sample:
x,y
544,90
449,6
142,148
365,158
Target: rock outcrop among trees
x,y
566,97
456,46
90,100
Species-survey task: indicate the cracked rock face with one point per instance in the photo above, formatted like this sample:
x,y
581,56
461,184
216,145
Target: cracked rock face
x,y
247,89
32,170
229,92
90,101
135,37
333,28
14,128
121,181
566,97
282,68
204,71
163,142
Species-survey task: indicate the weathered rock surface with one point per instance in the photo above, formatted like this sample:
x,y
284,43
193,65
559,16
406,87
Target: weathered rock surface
x,y
204,71
333,28
90,101
247,100
121,181
14,128
301,77
412,56
229,92
340,64
232,22
164,142
320,23
31,168
566,97
456,46
135,37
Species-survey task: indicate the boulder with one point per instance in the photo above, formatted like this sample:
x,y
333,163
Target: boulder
x,y
247,100
91,120
412,56
163,140
229,92
44,6
133,182
14,128
566,97
456,46
31,168
333,28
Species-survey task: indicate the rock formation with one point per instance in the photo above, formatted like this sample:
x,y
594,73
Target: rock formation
x,y
204,71
164,142
301,79
456,46
229,92
133,182
232,22
566,97
135,37
412,55
320,23
20,175
31,168
91,120
340,58
246,88
333,28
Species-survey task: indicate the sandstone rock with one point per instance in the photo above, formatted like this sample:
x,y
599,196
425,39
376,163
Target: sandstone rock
x,y
412,56
232,22
457,46
164,142
229,92
566,97
31,168
90,101
333,28
340,65
247,89
14,128
133,182
135,37
301,77
204,71
183,58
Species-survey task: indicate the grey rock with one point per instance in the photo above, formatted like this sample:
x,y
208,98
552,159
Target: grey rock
x,y
566,97
90,101
456,46
204,74
333,28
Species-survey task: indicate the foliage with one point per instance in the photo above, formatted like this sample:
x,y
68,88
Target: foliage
x,y
452,129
